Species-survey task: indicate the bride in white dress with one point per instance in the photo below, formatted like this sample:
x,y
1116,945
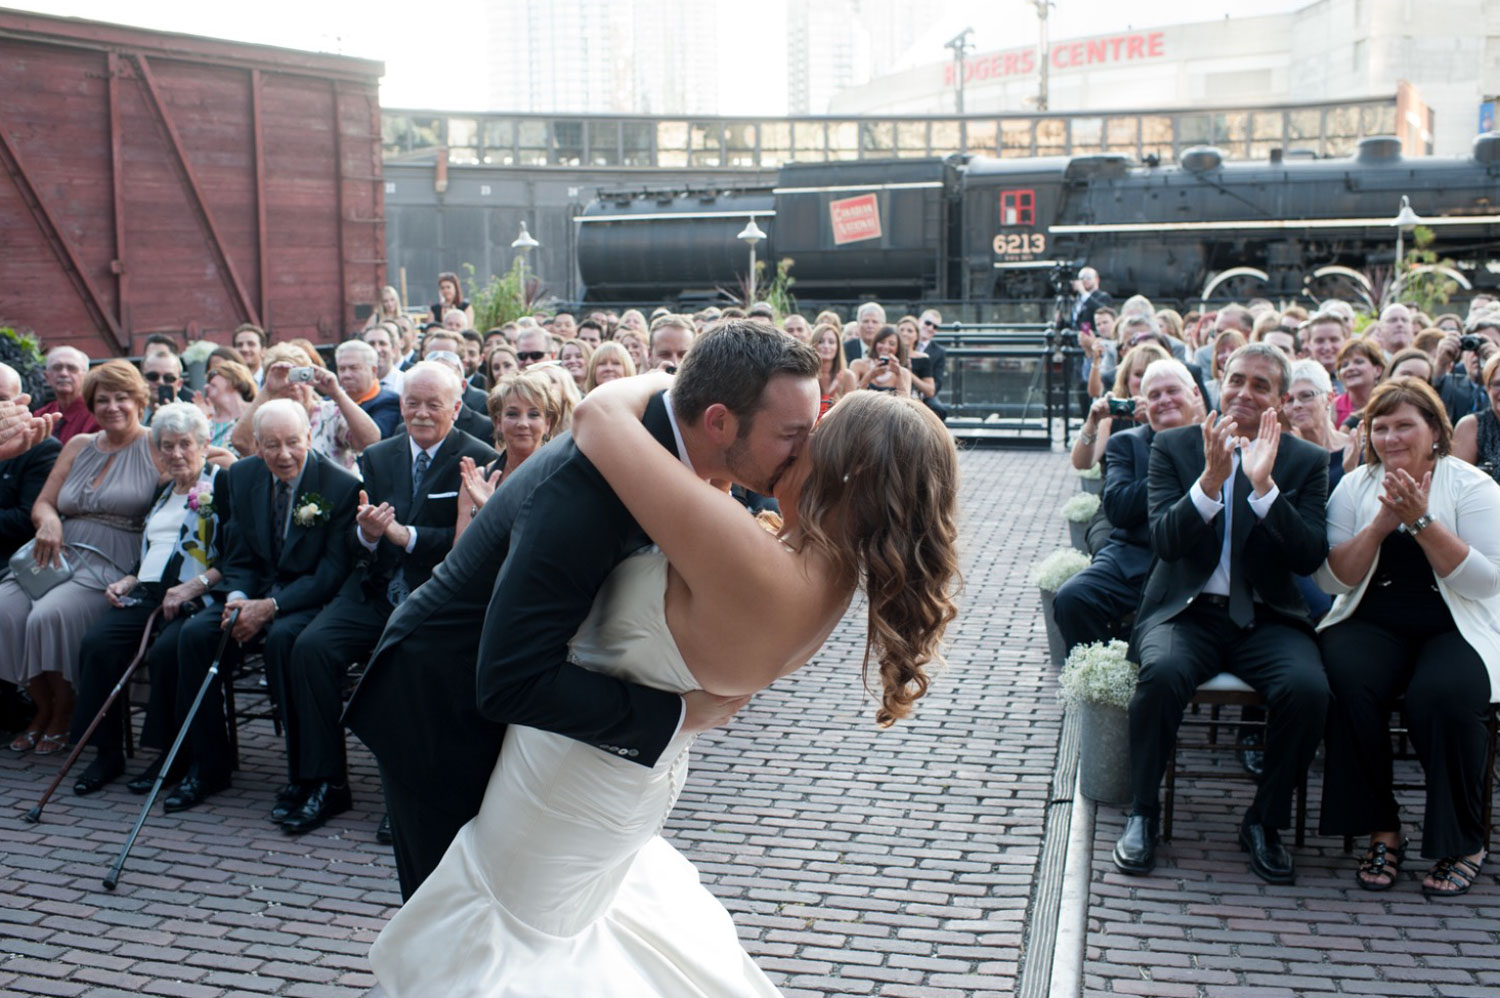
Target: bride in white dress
x,y
563,885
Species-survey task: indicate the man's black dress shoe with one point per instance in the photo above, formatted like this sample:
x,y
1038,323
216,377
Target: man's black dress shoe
x,y
100,771
1268,857
288,800
1250,747
1135,853
324,801
192,791
383,833
143,783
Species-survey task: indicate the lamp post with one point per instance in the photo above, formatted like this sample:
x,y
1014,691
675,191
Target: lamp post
x,y
959,43
751,234
525,242
1042,7
1405,221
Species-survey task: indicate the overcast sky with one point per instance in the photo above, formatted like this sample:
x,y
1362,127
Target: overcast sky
x,y
443,66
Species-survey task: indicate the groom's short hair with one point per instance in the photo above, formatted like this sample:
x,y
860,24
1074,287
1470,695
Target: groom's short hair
x,y
732,363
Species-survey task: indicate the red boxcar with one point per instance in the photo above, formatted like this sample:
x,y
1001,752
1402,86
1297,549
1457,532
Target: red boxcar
x,y
156,182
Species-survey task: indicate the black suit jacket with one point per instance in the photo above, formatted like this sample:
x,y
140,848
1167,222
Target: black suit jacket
x,y
437,712
854,349
1087,306
1292,540
21,481
386,468
477,400
315,559
939,357
1127,457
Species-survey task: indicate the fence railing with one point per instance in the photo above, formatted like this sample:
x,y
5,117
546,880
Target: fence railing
x,y
1016,384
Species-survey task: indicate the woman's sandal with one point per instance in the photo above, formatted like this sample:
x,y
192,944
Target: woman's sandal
x,y
51,744
25,741
1380,860
1460,871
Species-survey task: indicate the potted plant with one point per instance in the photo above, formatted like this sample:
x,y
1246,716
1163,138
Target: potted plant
x,y
1049,574
1098,681
1079,511
1092,479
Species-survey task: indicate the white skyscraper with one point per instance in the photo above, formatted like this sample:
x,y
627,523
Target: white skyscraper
x,y
604,56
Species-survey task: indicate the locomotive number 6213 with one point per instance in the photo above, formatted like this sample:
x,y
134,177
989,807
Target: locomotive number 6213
x,y
1020,244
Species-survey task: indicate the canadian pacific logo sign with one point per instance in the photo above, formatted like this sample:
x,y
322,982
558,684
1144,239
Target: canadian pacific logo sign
x,y
855,219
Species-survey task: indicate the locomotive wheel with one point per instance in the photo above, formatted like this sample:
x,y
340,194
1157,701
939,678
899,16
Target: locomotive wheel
x,y
1235,284
1343,283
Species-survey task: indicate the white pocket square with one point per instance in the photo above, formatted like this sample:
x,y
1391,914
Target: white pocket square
x,y
441,495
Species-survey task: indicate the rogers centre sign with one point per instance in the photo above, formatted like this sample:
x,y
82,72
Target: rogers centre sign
x,y
1134,46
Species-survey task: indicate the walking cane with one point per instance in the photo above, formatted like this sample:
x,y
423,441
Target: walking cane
x,y
113,877
35,814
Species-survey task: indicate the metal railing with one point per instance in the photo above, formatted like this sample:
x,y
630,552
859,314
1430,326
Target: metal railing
x,y
1012,384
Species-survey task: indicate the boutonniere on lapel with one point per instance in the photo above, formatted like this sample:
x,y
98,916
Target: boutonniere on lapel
x,y
200,499
311,510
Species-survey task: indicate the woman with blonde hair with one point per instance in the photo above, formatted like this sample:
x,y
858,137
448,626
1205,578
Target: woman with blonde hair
x,y
574,355
835,380
524,410
1088,446
608,362
388,309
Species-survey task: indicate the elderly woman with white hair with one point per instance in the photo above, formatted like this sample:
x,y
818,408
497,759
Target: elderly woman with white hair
x,y
1309,411
176,572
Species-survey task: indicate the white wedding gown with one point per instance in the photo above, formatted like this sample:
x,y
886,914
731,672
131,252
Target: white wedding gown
x,y
562,885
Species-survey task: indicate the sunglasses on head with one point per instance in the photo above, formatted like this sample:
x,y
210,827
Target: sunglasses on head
x,y
532,355
154,376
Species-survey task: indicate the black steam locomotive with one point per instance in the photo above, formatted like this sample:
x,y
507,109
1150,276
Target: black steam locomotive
x,y
981,229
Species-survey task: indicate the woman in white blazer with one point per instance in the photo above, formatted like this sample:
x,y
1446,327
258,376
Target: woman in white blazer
x,y
1414,559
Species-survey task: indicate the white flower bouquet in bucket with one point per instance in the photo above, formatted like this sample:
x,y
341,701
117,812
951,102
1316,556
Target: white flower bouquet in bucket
x,y
1079,510
1092,478
1048,575
1098,681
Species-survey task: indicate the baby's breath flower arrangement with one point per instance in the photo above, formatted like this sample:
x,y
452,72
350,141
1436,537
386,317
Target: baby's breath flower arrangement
x,y
1098,673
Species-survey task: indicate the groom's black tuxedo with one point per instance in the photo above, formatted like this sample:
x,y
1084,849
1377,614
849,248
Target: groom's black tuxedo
x,y
455,665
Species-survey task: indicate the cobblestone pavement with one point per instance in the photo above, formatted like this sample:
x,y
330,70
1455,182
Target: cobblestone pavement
x,y
855,861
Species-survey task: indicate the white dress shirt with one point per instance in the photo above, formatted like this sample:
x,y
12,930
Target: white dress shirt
x,y
1218,583
411,539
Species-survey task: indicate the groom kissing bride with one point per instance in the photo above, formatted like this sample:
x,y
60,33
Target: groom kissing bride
x,y
626,608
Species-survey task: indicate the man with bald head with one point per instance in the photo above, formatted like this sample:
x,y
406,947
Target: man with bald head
x,y
22,476
1089,298
287,515
1394,333
403,527
64,373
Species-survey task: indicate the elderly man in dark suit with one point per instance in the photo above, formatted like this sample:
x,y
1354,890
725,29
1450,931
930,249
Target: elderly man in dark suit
x,y
1235,519
403,528
1090,605
436,697
290,512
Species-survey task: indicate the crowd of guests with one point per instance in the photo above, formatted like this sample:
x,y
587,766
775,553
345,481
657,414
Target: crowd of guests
x,y
1312,505
296,504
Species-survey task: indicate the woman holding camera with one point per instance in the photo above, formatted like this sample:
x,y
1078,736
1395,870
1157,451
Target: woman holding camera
x,y
1476,438
887,368
1124,402
176,571
1414,561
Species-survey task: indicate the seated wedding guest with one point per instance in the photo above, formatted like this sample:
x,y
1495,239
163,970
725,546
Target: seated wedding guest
x,y
21,477
219,356
385,339
795,325
500,363
176,570
564,392
1409,363
289,512
1231,527
21,430
1476,438
1415,564
404,526
574,357
341,430
922,382
635,345
387,310
445,342
64,373
525,409
163,373
1309,413
358,374
670,339
475,424
227,394
96,495
1090,605
591,332
1225,344
608,362
835,380
886,367
1361,362
1089,446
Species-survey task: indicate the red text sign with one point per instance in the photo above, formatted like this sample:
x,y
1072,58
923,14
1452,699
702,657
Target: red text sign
x,y
1129,47
855,219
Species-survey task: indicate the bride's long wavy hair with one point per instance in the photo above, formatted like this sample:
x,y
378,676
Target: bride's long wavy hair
x,y
881,502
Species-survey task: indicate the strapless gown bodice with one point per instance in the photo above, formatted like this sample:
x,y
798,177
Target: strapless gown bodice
x,y
562,885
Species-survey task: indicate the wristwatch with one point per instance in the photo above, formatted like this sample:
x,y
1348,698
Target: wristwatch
x,y
1420,524
203,581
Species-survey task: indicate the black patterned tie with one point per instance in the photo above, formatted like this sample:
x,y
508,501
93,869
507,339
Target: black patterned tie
x,y
398,590
279,513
